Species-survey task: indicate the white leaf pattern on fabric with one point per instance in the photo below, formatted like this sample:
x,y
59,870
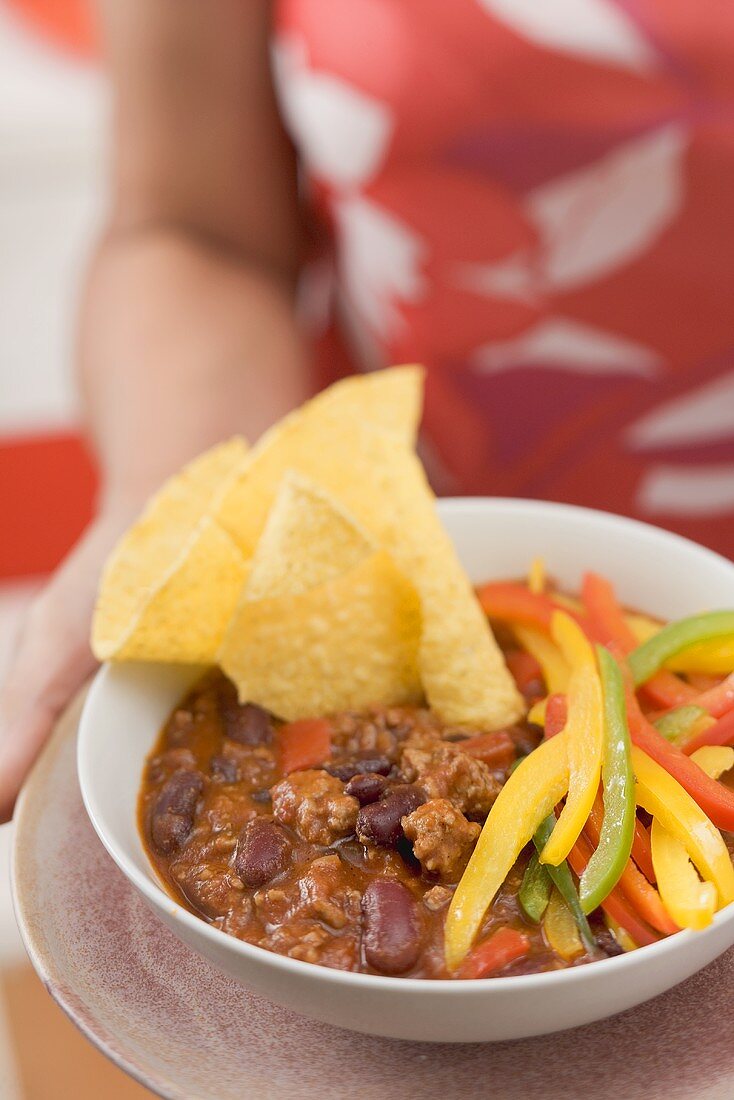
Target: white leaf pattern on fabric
x,y
694,491
596,219
702,416
591,221
568,345
381,262
596,29
342,132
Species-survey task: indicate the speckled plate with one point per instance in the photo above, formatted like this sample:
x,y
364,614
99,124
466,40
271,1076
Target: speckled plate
x,y
180,1027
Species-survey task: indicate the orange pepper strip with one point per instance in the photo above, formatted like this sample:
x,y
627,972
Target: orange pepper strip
x,y
615,905
514,603
608,622
643,897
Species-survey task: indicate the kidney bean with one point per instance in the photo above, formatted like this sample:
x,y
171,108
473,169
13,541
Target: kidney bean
x,y
380,822
247,723
173,813
224,768
391,927
367,788
263,851
356,765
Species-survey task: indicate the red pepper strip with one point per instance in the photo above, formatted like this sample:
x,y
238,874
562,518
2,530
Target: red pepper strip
x,y
701,681
525,669
642,851
615,905
607,620
721,733
643,897
716,800
503,947
304,744
516,604
495,749
718,700
556,714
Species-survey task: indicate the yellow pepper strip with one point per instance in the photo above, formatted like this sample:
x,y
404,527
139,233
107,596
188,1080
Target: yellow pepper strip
x,y
716,658
662,796
622,937
536,714
568,601
584,730
552,662
529,795
690,902
560,929
714,759
536,576
642,627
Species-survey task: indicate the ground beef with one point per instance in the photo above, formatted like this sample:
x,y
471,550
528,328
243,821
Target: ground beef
x,y
443,771
314,805
442,838
381,731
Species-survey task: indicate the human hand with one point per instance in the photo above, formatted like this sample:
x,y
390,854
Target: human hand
x,y
52,658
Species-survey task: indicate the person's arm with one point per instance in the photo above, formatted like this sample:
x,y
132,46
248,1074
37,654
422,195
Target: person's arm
x,y
188,332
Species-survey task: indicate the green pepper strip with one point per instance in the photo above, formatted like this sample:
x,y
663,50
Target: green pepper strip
x,y
606,865
562,880
677,723
645,661
535,891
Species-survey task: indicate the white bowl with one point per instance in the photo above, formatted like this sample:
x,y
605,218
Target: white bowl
x,y
127,705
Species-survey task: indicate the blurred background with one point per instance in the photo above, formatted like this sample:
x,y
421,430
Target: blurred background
x,y
53,110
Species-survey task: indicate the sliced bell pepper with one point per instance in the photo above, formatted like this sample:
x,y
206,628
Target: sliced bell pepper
x,y
716,801
525,670
535,786
645,661
505,946
536,576
642,626
643,897
556,715
714,759
563,882
720,733
514,603
676,725
616,905
560,929
664,798
610,625
641,851
617,830
690,902
718,700
714,658
304,744
584,733
554,668
535,889
623,938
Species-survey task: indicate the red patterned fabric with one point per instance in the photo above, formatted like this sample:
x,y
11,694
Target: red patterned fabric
x,y
537,200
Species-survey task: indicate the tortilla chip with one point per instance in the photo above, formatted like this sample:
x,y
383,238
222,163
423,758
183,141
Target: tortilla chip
x,y
308,540
380,482
184,618
340,646
156,547
389,400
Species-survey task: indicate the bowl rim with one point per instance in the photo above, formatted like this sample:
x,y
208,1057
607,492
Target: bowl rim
x,y
158,897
